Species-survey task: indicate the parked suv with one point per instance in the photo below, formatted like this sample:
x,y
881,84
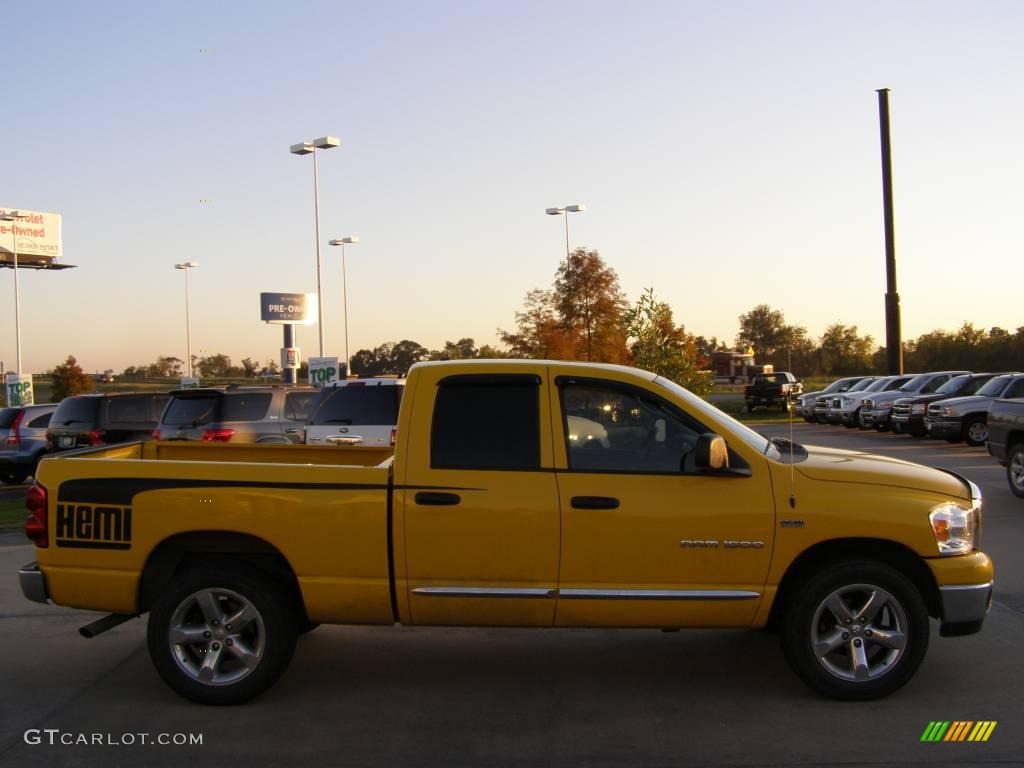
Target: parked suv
x,y
256,414
966,418
361,412
908,412
876,410
114,417
22,440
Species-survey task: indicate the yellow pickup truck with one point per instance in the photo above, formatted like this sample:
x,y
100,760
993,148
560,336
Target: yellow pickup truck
x,y
520,494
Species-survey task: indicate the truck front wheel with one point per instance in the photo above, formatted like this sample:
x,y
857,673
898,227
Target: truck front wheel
x,y
1015,469
857,630
221,633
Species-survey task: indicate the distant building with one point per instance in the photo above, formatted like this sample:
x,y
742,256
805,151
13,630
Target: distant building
x,y
733,366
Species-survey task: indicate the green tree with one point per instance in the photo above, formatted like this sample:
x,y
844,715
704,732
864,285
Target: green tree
x,y
657,344
844,351
765,329
389,358
214,365
250,368
69,379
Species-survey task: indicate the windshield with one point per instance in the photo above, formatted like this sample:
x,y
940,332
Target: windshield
x,y
879,385
953,386
916,383
190,411
863,384
358,406
745,433
995,386
835,385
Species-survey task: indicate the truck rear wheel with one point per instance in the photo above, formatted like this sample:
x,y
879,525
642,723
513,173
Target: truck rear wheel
x,y
221,633
1015,469
857,630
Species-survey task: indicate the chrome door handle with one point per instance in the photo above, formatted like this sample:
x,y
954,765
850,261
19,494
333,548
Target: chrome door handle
x,y
339,440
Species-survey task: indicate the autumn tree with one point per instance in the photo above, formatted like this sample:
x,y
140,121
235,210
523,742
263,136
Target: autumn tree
x,y
657,344
580,318
69,379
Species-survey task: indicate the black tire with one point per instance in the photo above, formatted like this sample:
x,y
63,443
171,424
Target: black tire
x,y
305,626
1015,469
808,619
269,632
14,478
975,431
750,408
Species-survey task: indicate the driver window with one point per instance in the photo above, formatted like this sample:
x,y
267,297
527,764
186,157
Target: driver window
x,y
620,429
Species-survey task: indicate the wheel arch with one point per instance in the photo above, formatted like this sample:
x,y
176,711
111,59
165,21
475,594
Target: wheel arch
x,y
181,551
827,553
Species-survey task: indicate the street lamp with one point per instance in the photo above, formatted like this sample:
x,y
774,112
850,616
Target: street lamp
x,y
14,216
578,208
306,148
186,266
352,240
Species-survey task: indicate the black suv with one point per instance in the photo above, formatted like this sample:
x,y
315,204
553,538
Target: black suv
x,y
87,420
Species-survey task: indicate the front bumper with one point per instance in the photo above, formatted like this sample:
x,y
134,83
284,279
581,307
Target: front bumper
x,y
944,428
912,423
33,583
964,604
874,418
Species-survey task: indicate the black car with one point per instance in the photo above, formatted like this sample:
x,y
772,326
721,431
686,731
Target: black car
x,y
87,420
908,412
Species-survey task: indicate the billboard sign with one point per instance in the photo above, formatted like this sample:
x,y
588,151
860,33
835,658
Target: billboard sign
x,y
288,308
324,370
38,237
188,382
18,390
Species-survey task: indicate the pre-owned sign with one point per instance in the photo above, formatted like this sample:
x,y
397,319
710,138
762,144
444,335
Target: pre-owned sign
x,y
288,307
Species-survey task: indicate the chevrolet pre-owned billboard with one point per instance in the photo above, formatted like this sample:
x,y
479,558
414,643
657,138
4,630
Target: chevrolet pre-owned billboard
x,y
38,237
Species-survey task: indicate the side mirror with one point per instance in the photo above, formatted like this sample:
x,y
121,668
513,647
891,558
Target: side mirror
x,y
711,453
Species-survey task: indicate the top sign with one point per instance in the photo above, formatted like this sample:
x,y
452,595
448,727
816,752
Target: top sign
x,y
38,238
288,308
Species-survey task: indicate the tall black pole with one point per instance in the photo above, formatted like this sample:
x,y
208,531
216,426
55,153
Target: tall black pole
x,y
893,337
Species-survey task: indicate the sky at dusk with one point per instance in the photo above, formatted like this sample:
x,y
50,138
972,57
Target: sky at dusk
x,y
727,153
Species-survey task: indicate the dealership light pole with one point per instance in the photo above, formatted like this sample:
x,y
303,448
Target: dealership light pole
x,y
14,217
565,211
306,148
186,266
343,241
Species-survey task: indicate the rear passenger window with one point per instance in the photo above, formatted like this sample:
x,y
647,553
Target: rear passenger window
x,y
486,422
39,422
297,405
245,406
1015,390
129,409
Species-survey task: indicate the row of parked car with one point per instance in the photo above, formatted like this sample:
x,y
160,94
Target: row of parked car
x,y
356,412
950,405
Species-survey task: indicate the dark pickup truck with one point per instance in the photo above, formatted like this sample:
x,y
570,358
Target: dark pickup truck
x,y
1006,440
770,389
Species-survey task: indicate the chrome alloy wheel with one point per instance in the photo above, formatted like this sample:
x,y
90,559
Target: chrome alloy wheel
x,y
1015,471
859,632
217,637
977,432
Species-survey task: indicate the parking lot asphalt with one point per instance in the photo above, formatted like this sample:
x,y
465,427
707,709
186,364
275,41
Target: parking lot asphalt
x,y
465,697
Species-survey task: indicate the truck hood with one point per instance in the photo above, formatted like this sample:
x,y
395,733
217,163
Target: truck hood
x,y
968,403
889,397
836,465
917,400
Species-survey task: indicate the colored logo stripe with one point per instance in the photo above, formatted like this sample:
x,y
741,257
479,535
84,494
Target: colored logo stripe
x,y
958,730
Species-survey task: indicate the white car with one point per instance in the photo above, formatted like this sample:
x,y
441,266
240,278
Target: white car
x,y
356,412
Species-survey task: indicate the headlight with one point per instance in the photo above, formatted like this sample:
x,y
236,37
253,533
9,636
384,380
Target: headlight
x,y
868,405
956,528
921,408
843,402
946,412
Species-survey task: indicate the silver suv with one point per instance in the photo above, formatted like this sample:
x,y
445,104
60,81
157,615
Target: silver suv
x,y
356,412
237,414
22,440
